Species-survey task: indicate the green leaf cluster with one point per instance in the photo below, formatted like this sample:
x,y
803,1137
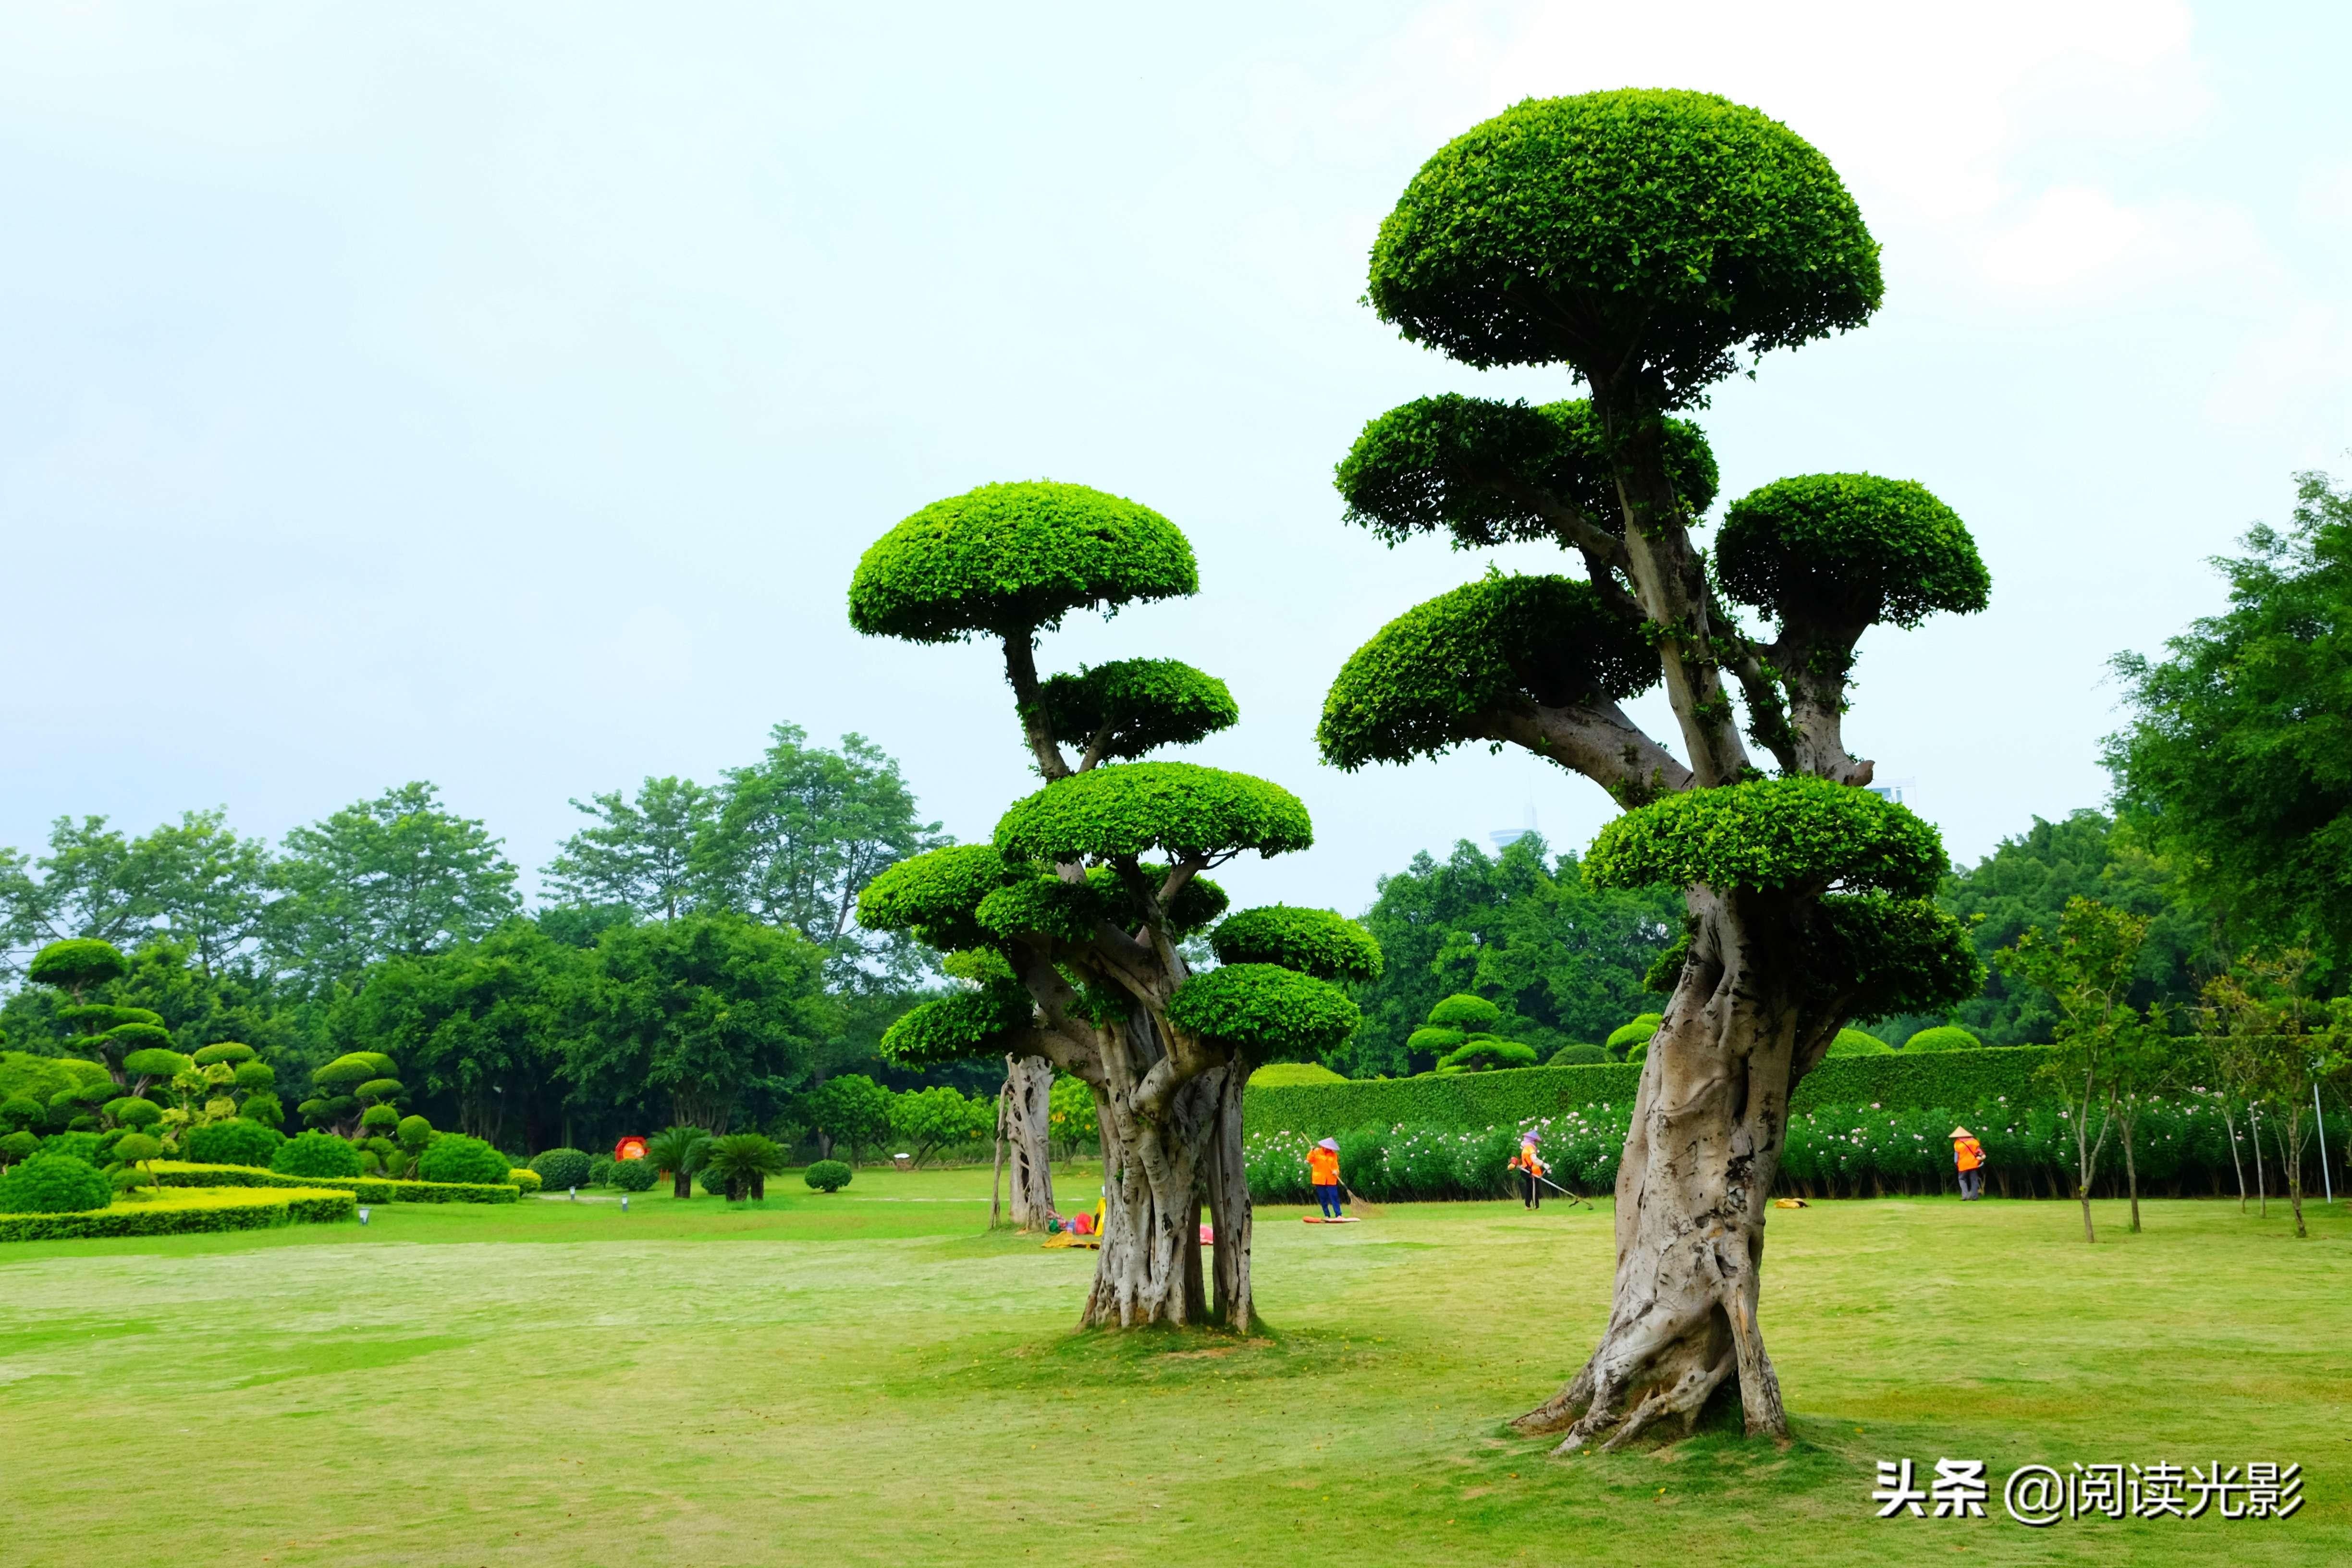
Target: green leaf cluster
x,y
1320,943
1130,809
1849,550
1137,705
1795,835
958,1028
1259,1008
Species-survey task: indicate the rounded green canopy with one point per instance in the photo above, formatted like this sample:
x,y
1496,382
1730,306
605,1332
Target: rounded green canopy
x,y
1849,550
1264,1008
1179,809
1006,560
1320,942
1659,229
1138,705
1771,833
76,962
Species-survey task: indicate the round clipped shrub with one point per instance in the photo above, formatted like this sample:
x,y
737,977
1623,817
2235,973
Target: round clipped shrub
x,y
54,1184
128,1112
380,1119
1637,1053
151,1061
1854,1043
22,1114
1482,1053
315,1154
264,1108
526,1178
1943,1037
230,1051
600,1170
634,1176
563,1168
76,964
827,1175
454,1157
18,1146
1621,1041
133,1147
1577,1055
381,1089
371,1163
232,1142
253,1075
713,1183
1471,1014
415,1132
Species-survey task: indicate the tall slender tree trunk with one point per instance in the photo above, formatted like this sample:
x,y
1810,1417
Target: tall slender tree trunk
x,y
2131,1171
2230,1125
1027,1100
2291,1156
2262,1181
1709,1122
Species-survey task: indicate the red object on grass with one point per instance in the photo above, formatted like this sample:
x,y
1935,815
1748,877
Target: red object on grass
x,y
630,1148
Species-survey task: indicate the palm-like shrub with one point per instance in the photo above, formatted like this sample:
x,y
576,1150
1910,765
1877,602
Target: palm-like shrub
x,y
827,1175
740,1165
634,1176
678,1151
562,1168
454,1157
54,1184
235,1142
315,1154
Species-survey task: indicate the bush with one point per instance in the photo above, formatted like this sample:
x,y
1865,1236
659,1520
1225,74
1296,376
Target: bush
x,y
22,1114
133,1147
380,1119
370,1189
1943,1037
263,1109
562,1168
600,1170
235,1142
527,1180
825,1175
415,1132
1578,1056
634,1176
18,1146
315,1154
371,1163
1281,1074
454,1157
126,1179
128,1112
76,1145
1854,1043
54,1184
1625,1038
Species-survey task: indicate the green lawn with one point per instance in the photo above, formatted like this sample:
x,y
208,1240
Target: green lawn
x,y
870,1378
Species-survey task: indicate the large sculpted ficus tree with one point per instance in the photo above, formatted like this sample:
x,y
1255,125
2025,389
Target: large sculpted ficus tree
x,y
1647,241
1070,922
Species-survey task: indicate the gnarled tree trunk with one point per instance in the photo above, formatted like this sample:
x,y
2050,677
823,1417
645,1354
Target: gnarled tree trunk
x,y
1157,1158
1028,1088
1709,1124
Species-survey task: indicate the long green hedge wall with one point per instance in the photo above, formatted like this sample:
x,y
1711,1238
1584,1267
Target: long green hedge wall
x,y
368,1189
264,1210
1467,1101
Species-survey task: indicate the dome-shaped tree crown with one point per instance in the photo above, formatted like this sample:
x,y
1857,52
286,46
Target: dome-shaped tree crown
x,y
1320,942
1134,706
1789,835
1263,1007
1491,473
1436,677
1007,560
76,964
976,1022
1848,550
1656,230
1177,809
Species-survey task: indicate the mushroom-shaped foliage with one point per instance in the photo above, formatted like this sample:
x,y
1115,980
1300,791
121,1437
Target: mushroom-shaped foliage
x,y
959,1027
133,1147
1196,903
380,1119
251,1075
1857,1042
1042,906
1625,1036
1663,229
1134,706
128,1111
1430,1038
933,896
1794,834
1314,941
346,1073
1577,1054
1471,1014
376,1090
54,1184
1482,1053
415,1132
154,1061
1262,1008
1007,560
1442,672
1179,809
1877,956
1481,469
76,964
97,1017
230,1051
1942,1038
1849,550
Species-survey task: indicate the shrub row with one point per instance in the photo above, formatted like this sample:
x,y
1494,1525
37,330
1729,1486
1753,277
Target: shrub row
x,y
1469,1102
178,1213
368,1189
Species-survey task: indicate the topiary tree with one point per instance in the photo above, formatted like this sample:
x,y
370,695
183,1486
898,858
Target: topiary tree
x,y
1470,1014
827,1175
1483,1053
76,965
1090,884
54,1184
1648,240
563,1168
316,1154
1623,1039
346,1086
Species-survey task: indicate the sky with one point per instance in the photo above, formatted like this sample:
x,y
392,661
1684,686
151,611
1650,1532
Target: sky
x,y
503,397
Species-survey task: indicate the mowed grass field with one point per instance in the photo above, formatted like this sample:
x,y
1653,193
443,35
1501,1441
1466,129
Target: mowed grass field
x,y
873,1378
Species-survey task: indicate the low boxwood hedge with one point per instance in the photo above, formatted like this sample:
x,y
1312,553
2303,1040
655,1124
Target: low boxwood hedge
x,y
368,1189
1471,1100
175,1213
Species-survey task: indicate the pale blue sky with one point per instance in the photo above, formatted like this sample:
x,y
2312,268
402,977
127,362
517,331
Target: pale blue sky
x,y
502,394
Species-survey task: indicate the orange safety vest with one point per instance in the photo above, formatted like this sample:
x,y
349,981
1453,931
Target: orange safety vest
x,y
1967,1152
1524,1160
1323,1166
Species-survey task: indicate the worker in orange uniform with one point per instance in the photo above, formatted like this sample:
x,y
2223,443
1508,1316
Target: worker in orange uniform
x,y
1968,1155
1530,1165
1323,1172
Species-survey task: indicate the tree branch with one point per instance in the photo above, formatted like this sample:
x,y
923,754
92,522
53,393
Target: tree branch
x,y
1598,740
1021,670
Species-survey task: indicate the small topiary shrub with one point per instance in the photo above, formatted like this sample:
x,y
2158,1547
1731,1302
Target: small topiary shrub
x,y
1577,1055
454,1157
230,1051
563,1168
1471,1014
1621,1041
380,1119
634,1176
827,1175
235,1142
18,1146
415,1132
1482,1053
599,1170
22,1114
264,1108
128,1112
133,1147
316,1154
1854,1043
54,1184
527,1180
1943,1037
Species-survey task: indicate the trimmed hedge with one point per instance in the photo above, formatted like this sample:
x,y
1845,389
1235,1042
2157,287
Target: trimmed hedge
x,y
368,1189
178,1213
1504,1098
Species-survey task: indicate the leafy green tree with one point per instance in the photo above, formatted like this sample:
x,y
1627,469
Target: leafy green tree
x,y
2236,764
928,1119
2283,1043
1567,957
1647,241
1093,882
711,1013
395,877
195,882
851,1110
645,856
